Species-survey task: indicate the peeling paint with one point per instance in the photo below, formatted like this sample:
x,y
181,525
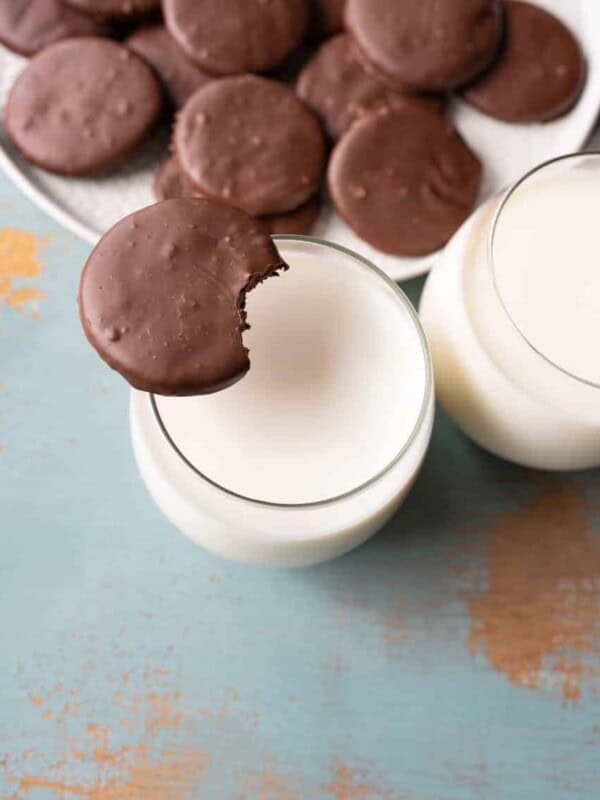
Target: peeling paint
x,y
537,618
20,264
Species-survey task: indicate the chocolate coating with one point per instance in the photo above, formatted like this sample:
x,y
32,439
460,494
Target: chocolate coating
x,y
170,182
404,181
162,295
326,18
81,106
427,45
27,26
540,73
179,76
229,37
251,142
114,8
340,90
299,222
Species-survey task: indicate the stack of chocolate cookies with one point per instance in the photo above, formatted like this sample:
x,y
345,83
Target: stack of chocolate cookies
x,y
271,100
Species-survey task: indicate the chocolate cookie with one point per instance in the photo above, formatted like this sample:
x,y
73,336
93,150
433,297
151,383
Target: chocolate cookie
x,y
81,106
298,222
540,73
251,142
119,9
340,90
427,45
326,18
179,76
27,26
404,181
162,295
228,37
170,182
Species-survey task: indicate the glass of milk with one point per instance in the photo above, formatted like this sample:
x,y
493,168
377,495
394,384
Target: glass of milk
x,y
317,446
512,314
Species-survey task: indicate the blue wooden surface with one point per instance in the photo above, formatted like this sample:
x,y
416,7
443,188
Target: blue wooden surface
x,y
134,665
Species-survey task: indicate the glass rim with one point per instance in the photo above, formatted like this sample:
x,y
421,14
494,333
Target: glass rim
x,y
508,194
399,297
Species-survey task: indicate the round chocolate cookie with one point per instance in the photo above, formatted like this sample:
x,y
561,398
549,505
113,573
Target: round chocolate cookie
x,y
179,76
81,106
426,45
228,37
170,182
251,142
298,222
326,18
162,295
340,90
540,73
119,9
404,181
27,26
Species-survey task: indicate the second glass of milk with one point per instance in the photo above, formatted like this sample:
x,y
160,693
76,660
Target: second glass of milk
x,y
317,446
512,313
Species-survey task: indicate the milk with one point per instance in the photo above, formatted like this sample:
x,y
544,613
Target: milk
x,y
315,448
512,313
546,255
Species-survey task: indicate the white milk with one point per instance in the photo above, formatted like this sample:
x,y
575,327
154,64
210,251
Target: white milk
x,y
313,450
513,319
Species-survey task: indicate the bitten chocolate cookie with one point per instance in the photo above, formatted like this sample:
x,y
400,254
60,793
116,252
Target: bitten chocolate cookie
x,y
340,90
404,181
179,76
229,37
27,26
170,182
114,8
162,295
251,142
540,73
326,18
426,45
81,106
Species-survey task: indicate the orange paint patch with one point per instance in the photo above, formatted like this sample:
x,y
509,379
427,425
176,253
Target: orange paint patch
x,y
357,783
19,262
162,713
267,784
37,701
141,758
539,616
142,779
21,298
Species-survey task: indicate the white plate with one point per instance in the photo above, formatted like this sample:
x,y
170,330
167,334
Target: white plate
x,y
90,206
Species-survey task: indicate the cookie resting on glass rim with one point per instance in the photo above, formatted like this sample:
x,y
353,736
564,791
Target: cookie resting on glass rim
x,y
162,296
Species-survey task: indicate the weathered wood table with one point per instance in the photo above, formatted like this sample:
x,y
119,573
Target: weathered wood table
x,y
455,657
